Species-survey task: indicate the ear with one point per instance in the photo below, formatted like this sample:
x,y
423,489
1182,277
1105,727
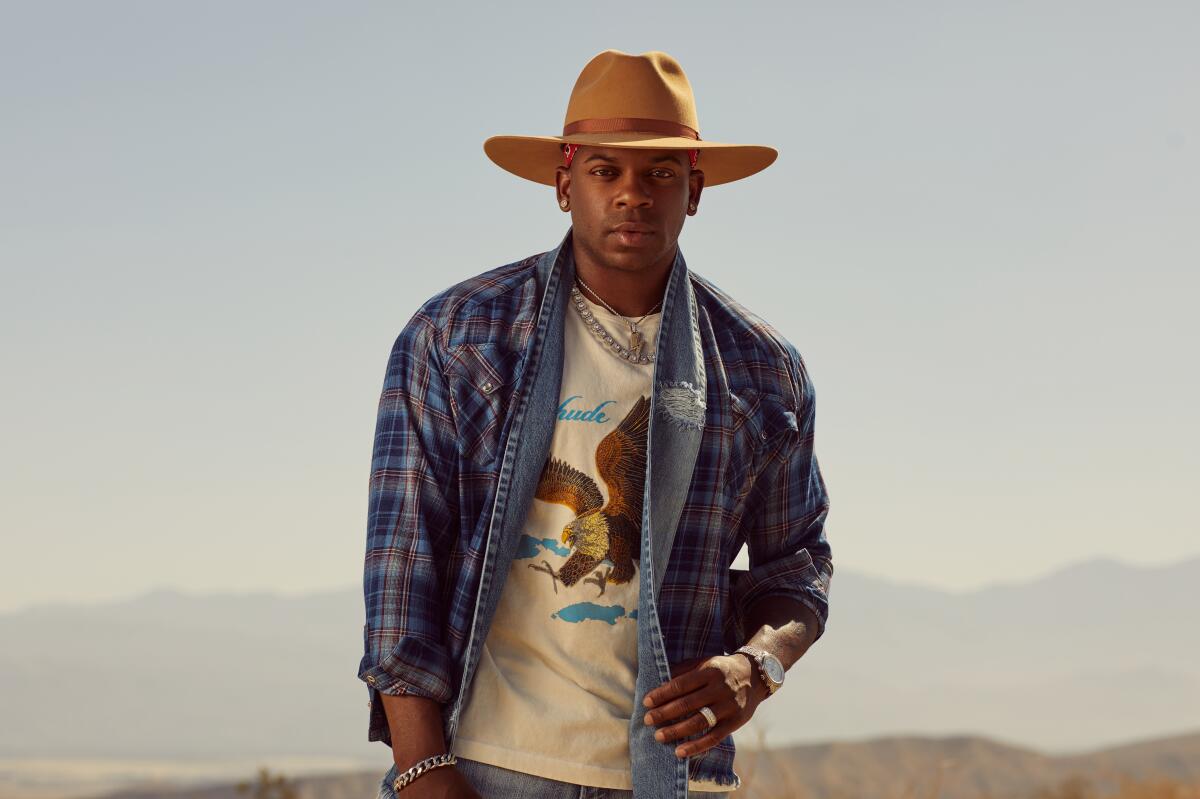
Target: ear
x,y
695,187
562,185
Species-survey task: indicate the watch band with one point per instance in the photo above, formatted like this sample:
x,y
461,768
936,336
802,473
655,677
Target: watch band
x,y
757,655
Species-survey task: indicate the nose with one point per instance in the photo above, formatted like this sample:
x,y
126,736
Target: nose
x,y
632,191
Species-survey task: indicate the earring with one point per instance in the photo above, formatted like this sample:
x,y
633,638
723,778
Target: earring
x,y
563,203
691,206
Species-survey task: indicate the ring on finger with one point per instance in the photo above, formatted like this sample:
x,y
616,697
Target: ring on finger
x,y
709,716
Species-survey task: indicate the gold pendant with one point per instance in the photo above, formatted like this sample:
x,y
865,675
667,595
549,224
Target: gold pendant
x,y
635,341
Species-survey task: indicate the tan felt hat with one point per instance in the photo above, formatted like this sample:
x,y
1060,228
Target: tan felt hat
x,y
624,100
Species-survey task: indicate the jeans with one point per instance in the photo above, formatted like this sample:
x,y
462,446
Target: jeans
x,y
493,782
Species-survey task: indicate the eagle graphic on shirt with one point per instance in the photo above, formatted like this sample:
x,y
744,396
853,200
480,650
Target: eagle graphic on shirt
x,y
614,530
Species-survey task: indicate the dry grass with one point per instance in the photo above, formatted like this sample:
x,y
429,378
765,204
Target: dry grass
x,y
268,786
1082,788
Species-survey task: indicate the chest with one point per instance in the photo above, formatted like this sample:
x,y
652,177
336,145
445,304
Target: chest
x,y
743,423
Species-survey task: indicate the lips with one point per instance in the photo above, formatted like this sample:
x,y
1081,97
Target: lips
x,y
633,234
633,227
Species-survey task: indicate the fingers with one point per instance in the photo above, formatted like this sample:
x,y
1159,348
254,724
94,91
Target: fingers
x,y
725,726
678,686
675,705
695,723
711,694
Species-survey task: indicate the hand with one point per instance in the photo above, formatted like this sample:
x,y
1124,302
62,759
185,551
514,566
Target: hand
x,y
728,684
443,782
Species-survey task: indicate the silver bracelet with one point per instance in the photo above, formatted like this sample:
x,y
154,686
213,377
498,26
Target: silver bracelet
x,y
427,764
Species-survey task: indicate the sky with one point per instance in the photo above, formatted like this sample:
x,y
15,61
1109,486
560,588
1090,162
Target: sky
x,y
215,217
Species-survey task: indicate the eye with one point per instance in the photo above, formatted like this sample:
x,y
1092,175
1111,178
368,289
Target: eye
x,y
664,173
602,169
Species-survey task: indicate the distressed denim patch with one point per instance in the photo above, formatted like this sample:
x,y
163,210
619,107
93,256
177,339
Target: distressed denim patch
x,y
681,403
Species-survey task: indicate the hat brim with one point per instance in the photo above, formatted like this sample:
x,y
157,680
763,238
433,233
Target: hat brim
x,y
536,157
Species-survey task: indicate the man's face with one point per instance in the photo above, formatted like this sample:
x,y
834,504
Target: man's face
x,y
628,205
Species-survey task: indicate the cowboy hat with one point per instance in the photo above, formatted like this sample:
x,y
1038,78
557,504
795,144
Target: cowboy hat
x,y
623,100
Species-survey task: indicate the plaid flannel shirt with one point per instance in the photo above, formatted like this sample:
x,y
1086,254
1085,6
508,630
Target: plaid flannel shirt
x,y
450,380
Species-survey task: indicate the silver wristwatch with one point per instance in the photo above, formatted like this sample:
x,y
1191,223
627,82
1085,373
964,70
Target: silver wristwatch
x,y
769,667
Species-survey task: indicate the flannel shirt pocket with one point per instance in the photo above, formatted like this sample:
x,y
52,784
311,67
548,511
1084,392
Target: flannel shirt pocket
x,y
757,420
482,380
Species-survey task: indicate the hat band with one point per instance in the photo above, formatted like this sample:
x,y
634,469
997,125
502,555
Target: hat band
x,y
630,125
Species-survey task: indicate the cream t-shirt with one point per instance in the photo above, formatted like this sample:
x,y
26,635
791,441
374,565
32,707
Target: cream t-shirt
x,y
553,691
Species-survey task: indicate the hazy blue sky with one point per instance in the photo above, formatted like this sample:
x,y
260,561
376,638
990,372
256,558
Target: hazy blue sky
x,y
215,217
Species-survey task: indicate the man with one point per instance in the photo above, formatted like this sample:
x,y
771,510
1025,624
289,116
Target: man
x,y
570,451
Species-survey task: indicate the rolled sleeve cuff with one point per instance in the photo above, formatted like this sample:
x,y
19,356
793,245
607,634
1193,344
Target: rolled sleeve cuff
x,y
412,667
795,576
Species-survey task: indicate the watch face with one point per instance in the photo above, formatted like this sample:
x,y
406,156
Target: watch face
x,y
774,668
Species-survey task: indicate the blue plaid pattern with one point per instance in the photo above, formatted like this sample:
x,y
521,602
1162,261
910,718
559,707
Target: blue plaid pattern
x,y
451,377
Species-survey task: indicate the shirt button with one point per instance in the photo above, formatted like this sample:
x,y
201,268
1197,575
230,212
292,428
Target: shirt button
x,y
487,387
763,435
370,679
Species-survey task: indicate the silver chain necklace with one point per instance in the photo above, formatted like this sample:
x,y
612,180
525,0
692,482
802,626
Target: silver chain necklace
x,y
637,341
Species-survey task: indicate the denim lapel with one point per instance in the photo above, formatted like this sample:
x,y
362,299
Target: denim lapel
x,y
526,447
676,426
676,416
532,429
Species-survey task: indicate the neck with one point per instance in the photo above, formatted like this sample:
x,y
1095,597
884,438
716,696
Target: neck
x,y
634,292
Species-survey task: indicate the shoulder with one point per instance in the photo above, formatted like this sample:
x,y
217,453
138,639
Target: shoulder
x,y
487,306
772,363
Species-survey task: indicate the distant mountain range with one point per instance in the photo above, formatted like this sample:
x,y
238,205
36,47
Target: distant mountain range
x,y
1096,654
960,767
